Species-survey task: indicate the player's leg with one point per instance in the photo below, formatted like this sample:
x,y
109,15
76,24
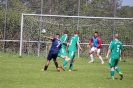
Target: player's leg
x,y
49,57
46,65
72,62
60,53
64,63
91,55
112,67
64,55
112,72
55,62
71,65
66,60
99,56
118,69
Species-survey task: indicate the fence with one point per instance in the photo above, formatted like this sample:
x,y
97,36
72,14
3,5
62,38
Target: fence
x,y
32,24
10,18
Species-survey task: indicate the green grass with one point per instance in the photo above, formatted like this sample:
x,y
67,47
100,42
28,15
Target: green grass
x,y
25,72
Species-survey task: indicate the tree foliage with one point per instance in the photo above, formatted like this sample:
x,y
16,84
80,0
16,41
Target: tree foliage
x,y
95,8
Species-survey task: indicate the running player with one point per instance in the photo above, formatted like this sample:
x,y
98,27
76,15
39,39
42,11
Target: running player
x,y
115,49
71,51
53,53
96,47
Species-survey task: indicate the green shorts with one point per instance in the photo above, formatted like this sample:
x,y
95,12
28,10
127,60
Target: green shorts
x,y
71,54
62,52
113,62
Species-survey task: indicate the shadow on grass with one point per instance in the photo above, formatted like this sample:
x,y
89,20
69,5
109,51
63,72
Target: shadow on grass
x,y
111,78
62,70
74,70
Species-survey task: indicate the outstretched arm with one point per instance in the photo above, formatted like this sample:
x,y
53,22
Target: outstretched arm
x,y
50,38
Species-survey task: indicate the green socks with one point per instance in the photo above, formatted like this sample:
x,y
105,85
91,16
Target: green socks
x,y
65,62
71,66
117,69
112,72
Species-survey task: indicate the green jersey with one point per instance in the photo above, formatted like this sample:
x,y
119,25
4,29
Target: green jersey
x,y
115,47
73,43
64,38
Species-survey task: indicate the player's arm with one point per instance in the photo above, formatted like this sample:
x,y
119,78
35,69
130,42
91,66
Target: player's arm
x,y
108,53
90,42
122,50
109,50
66,43
79,45
121,53
50,38
99,43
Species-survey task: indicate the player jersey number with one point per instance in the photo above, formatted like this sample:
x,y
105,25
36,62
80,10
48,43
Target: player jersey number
x,y
118,48
58,44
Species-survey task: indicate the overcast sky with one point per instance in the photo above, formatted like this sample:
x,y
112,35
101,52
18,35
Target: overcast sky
x,y
127,2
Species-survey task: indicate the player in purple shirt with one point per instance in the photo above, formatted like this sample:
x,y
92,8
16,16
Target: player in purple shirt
x,y
53,53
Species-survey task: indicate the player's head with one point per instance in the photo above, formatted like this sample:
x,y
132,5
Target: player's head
x,y
76,32
66,31
58,36
96,34
116,36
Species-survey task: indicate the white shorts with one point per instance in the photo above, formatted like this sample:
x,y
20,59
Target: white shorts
x,y
94,50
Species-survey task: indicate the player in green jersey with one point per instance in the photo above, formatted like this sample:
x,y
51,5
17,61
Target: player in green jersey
x,y
74,42
115,49
64,40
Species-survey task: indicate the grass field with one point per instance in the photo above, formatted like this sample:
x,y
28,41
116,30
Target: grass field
x,y
25,72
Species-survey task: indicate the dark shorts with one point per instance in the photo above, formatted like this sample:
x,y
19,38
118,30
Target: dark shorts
x,y
52,55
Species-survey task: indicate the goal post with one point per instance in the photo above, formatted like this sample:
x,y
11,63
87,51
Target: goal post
x,y
31,41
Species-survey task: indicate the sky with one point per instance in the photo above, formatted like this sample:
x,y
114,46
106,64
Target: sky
x,y
124,2
127,3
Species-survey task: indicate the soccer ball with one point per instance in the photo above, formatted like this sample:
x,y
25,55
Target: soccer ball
x,y
43,30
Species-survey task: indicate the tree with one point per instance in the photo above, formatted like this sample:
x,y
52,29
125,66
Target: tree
x,y
104,8
125,11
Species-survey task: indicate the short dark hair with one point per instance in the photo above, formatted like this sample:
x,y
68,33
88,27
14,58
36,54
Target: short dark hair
x,y
96,32
76,32
66,31
58,34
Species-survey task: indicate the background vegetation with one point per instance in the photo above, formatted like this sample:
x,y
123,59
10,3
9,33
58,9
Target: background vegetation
x,y
95,8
